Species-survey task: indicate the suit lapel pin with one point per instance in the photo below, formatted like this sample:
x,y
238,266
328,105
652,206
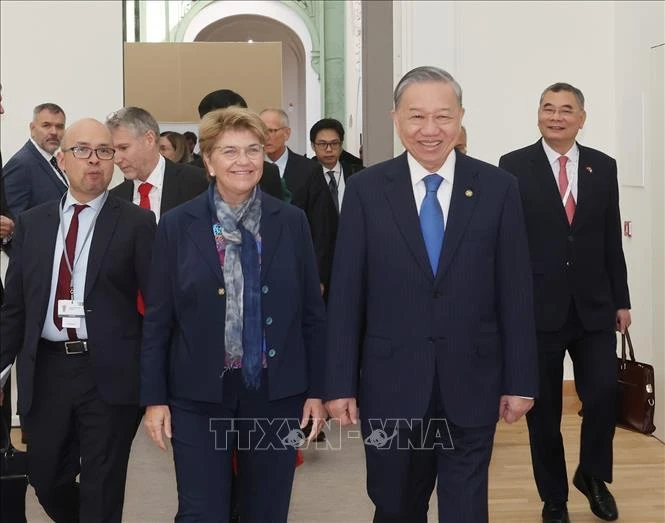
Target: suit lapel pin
x,y
588,169
468,193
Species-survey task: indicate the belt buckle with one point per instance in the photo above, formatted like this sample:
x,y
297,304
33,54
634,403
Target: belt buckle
x,y
75,347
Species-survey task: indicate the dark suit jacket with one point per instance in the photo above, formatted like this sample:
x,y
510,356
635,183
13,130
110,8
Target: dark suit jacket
x,y
270,183
583,261
182,182
30,180
304,179
118,265
389,319
183,341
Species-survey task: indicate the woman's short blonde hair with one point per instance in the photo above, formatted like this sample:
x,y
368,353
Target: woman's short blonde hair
x,y
217,122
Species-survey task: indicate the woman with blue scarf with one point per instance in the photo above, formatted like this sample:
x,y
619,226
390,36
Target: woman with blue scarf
x,y
233,333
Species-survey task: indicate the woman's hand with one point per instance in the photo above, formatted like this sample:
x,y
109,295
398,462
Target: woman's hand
x,y
313,409
156,418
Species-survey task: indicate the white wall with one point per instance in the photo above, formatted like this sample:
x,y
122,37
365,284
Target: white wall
x,y
65,52
505,53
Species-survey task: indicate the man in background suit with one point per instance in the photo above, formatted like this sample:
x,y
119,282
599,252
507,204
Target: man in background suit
x,y
430,316
271,182
32,175
70,320
571,205
151,181
304,180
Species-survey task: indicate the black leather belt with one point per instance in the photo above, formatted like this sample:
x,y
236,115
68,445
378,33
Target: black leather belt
x,y
70,348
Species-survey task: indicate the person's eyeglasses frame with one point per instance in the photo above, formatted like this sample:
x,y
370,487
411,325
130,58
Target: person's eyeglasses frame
x,y
78,151
232,153
323,146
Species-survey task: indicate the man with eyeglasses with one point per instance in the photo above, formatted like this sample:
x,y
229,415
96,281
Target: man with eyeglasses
x,y
327,139
151,181
570,195
32,176
70,320
304,179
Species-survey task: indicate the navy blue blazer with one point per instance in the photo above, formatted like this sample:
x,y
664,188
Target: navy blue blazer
x,y
393,327
29,180
118,266
183,338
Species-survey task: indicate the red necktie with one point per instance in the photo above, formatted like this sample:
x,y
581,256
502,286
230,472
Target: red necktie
x,y
563,187
63,289
144,190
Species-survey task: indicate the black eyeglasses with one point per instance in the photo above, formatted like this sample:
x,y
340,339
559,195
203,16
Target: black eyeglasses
x,y
325,145
83,153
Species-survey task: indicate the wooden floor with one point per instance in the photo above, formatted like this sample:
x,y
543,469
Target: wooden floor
x,y
330,486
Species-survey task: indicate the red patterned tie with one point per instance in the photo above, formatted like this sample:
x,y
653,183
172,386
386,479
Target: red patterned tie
x,y
144,190
63,289
563,187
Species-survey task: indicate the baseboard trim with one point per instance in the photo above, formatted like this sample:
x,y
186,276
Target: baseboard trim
x,y
571,403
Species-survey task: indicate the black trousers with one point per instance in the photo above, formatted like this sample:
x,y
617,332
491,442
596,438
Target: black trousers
x,y
405,460
594,362
73,431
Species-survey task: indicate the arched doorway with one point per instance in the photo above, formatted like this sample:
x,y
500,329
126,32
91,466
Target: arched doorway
x,y
254,28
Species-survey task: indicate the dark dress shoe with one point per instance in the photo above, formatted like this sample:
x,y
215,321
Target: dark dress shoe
x,y
555,512
600,499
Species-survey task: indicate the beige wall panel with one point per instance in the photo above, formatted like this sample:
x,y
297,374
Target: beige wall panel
x,y
169,79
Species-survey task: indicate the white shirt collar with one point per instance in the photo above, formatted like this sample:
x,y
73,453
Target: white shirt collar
x,y
337,169
553,157
156,178
46,155
447,170
281,161
95,204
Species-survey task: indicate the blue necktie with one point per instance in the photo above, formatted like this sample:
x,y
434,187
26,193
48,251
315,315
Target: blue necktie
x,y
431,220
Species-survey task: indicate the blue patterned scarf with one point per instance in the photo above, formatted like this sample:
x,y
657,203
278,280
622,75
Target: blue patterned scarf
x,y
242,274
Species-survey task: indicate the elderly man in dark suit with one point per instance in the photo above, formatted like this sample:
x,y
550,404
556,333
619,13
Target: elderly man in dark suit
x,y
571,205
430,316
151,181
32,175
70,320
304,180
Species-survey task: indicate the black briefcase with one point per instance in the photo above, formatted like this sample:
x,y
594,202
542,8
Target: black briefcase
x,y
13,480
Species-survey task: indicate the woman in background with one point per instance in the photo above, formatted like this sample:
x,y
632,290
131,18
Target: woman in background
x,y
173,146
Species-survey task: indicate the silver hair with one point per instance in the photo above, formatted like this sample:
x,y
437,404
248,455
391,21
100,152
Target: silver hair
x,y
138,120
48,106
283,116
426,73
562,86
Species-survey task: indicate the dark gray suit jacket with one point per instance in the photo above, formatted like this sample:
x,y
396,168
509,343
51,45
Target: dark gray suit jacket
x,y
182,182
29,180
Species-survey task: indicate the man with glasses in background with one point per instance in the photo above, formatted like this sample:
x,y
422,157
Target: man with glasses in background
x,y
327,139
70,319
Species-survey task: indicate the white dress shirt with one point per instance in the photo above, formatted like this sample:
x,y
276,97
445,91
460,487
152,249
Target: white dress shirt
x,y
281,162
572,165
86,217
48,157
156,179
447,172
339,178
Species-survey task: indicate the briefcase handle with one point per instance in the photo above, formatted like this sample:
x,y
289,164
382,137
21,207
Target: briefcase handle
x,y
626,336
